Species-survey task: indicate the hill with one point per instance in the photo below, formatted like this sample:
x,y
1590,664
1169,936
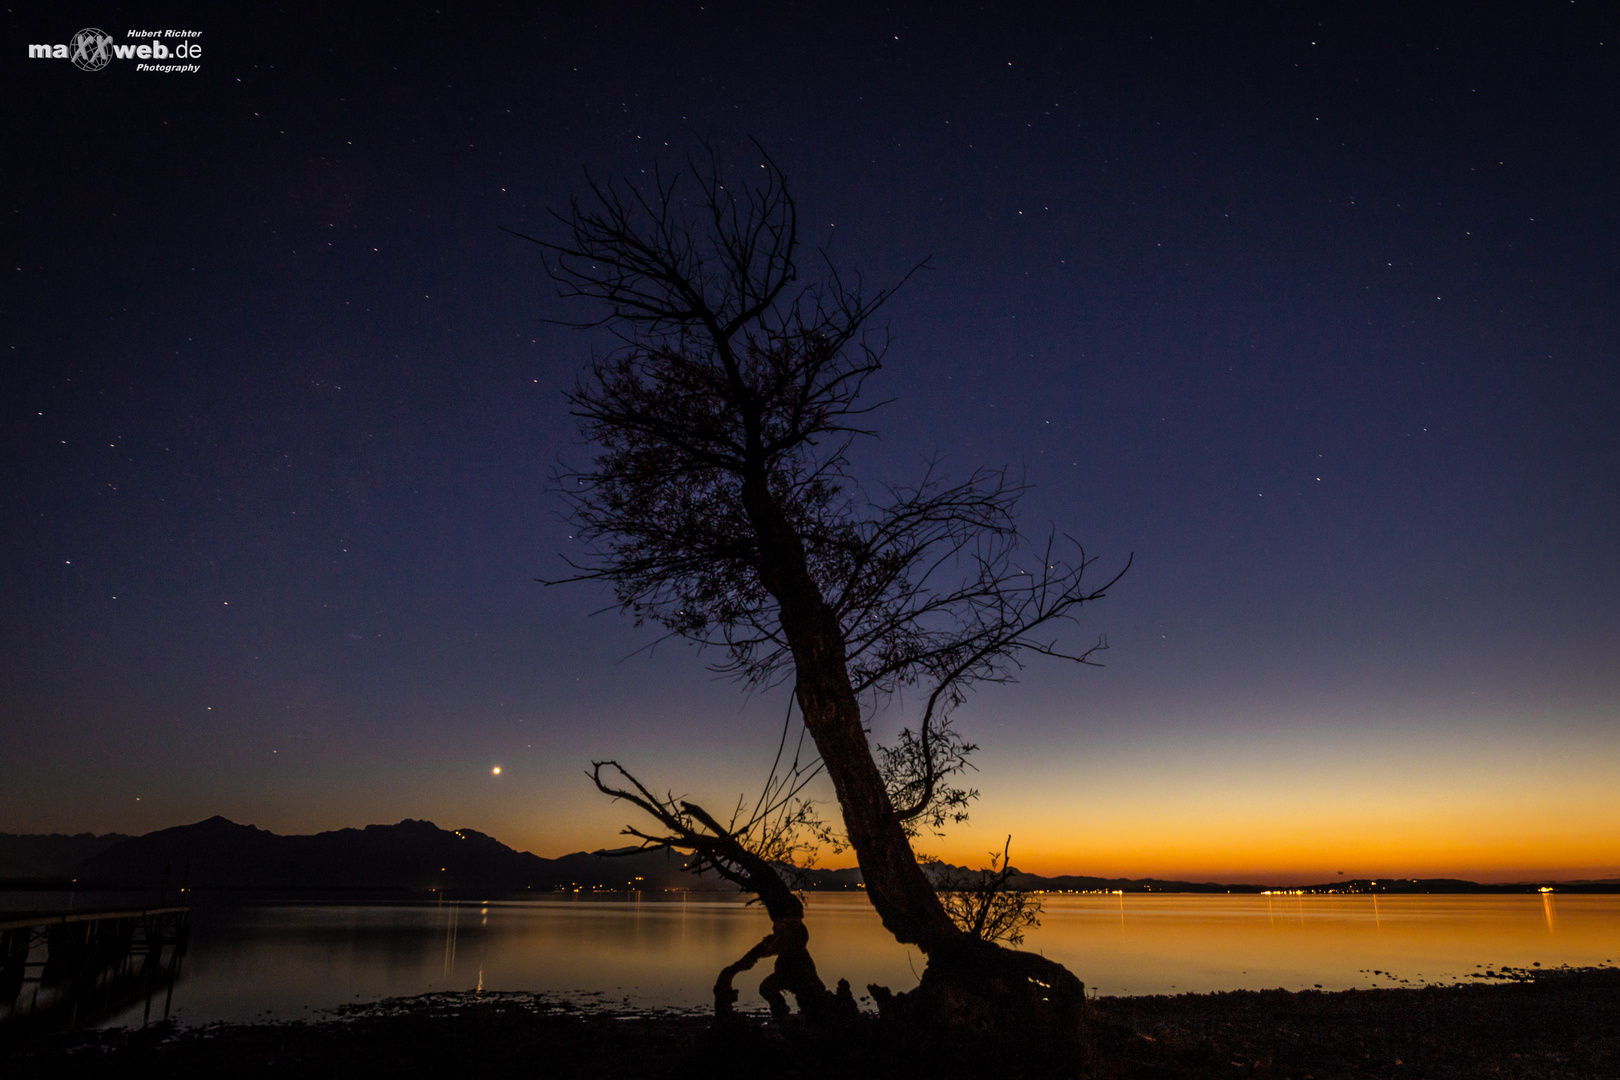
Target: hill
x,y
1082,883
411,855
50,855
419,856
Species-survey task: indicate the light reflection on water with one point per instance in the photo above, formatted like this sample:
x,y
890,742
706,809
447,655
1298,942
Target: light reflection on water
x,y
288,962
1172,944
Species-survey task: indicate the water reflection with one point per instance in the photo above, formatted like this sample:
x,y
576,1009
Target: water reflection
x,y
77,968
1197,943
288,962
452,915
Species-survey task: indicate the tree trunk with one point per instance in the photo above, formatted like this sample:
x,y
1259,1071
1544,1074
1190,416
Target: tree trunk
x,y
904,898
789,941
901,894
968,984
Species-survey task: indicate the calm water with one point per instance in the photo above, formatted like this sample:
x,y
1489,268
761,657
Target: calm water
x,y
288,962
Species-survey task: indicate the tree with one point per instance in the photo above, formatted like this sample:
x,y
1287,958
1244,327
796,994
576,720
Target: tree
x,y
757,850
721,505
984,905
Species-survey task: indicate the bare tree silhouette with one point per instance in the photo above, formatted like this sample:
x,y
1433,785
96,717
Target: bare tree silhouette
x,y
761,849
721,506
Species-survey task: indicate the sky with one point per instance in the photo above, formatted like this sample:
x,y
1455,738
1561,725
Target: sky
x,y
1309,309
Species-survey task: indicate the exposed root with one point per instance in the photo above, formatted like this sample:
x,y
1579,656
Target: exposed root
x,y
794,973
985,989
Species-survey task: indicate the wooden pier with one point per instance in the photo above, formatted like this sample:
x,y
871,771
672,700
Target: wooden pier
x,y
69,968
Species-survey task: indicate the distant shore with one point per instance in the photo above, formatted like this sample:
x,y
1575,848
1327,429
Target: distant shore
x,y
1563,1023
220,857
398,894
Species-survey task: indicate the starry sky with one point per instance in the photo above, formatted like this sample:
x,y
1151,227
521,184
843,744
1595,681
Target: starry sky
x,y
1313,311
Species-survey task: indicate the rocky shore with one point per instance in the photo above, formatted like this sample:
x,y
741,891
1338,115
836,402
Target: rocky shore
x,y
1561,1023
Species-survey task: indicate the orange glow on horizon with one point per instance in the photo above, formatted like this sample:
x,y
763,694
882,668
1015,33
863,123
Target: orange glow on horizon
x,y
1514,802
1526,800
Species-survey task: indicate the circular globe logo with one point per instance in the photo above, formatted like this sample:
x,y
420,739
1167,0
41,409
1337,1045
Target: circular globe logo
x,y
91,49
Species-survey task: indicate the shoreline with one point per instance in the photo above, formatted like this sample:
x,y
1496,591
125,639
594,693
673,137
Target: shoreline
x,y
1555,1023
1384,888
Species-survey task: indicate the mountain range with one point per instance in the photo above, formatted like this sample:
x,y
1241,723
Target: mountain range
x,y
411,855
418,856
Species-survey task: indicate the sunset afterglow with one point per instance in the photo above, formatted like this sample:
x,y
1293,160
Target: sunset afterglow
x,y
1310,321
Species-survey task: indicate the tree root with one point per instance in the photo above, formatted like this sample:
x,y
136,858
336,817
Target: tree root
x,y
794,973
984,989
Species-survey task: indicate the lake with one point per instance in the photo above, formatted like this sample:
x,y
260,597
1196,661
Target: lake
x,y
285,962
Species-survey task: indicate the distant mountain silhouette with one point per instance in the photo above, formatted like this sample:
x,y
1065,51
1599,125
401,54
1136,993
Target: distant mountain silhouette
x,y
1086,884
1083,883
50,855
418,856
815,879
412,855
1400,886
